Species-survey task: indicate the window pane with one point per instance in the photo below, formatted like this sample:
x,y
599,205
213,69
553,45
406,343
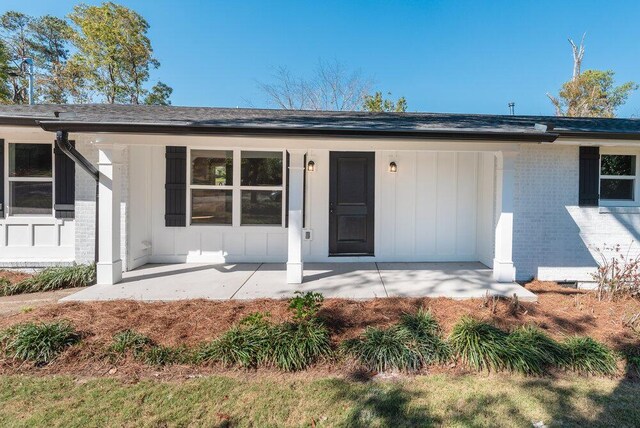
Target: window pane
x,y
617,165
261,207
616,189
261,169
210,206
30,197
30,160
212,167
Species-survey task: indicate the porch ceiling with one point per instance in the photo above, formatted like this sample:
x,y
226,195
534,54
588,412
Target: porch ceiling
x,y
333,280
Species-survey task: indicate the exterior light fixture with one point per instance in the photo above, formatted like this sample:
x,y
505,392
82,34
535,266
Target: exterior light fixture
x,y
311,166
393,167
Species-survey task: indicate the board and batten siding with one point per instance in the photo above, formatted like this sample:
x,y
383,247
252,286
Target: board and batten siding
x,y
437,207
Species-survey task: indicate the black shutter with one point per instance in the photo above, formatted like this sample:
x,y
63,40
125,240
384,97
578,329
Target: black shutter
x,y
65,184
175,205
589,177
2,204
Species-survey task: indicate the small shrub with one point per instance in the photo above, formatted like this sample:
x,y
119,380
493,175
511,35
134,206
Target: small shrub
x,y
425,337
305,305
243,345
533,352
129,340
50,279
585,355
40,343
384,349
618,274
293,346
480,345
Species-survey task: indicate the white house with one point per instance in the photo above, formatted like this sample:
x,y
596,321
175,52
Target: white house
x,y
526,196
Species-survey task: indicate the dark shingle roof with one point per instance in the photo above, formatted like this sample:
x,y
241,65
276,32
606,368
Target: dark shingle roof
x,y
141,118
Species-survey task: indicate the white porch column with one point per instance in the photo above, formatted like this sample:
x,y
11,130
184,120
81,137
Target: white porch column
x,y
503,269
109,267
296,196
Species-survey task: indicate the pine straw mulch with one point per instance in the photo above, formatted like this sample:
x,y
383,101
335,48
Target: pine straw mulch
x,y
560,311
14,276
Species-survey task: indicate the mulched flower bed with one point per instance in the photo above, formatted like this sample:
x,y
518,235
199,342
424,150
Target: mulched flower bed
x,y
560,312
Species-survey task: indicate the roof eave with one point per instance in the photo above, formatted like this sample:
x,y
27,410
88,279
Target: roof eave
x,y
599,135
131,128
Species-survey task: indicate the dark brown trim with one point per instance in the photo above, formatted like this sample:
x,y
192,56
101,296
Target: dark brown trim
x,y
128,128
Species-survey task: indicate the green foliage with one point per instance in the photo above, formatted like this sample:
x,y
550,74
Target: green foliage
x,y
113,51
159,355
50,279
295,345
384,349
376,103
144,349
409,345
46,40
480,345
592,94
5,91
533,352
243,345
305,305
289,346
40,343
586,355
130,341
160,94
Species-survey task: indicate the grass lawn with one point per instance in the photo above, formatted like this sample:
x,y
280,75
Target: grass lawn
x,y
221,401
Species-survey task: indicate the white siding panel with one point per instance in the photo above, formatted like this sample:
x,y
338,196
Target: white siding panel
x,y
426,217
466,207
446,204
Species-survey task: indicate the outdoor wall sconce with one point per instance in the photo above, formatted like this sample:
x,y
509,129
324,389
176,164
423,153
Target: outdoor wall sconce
x,y
311,166
393,167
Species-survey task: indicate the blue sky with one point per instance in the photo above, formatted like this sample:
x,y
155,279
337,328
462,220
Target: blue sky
x,y
443,56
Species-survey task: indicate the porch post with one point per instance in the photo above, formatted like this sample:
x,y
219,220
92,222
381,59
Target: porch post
x,y
296,195
109,266
503,269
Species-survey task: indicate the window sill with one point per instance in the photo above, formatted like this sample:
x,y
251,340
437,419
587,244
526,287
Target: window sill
x,y
33,219
619,210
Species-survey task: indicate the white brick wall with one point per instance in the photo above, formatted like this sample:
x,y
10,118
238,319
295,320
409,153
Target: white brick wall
x,y
86,207
553,237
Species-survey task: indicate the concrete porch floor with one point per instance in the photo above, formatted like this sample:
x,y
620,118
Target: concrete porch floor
x,y
155,282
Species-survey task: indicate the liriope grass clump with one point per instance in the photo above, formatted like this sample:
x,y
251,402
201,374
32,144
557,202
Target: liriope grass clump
x,y
588,356
481,345
533,352
243,345
54,278
39,343
290,346
142,348
410,345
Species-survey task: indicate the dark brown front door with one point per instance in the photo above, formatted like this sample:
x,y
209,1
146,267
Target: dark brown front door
x,y
351,203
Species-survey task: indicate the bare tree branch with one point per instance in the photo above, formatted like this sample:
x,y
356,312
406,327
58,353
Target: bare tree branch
x,y
332,87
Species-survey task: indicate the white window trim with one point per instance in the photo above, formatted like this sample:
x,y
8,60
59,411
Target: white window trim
x,y
9,179
636,185
236,188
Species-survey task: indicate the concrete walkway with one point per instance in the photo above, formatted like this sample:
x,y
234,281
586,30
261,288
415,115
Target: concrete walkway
x,y
10,305
343,280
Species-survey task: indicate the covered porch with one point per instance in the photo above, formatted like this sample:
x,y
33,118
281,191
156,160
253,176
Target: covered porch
x,y
167,282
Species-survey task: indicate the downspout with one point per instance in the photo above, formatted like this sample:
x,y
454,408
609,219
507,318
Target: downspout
x,y
62,142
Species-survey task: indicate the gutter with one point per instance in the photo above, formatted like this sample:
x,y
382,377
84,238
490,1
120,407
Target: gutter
x,y
195,129
62,142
